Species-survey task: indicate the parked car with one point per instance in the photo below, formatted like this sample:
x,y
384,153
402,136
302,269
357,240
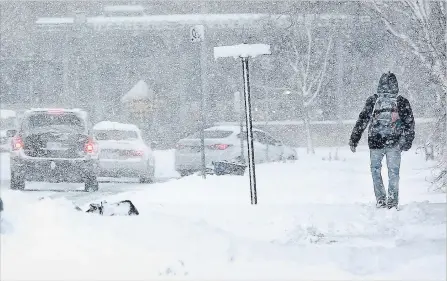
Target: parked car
x,y
223,143
8,121
53,145
123,152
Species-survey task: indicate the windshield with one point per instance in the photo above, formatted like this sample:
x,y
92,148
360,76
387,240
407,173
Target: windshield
x,y
212,134
49,120
7,123
116,135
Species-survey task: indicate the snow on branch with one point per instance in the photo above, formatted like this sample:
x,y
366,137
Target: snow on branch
x,y
309,66
424,44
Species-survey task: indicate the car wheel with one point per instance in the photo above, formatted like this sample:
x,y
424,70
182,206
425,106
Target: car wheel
x,y
17,182
146,179
185,173
292,157
91,184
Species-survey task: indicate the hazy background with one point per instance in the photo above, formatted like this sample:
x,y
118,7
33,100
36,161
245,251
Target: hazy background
x,y
50,56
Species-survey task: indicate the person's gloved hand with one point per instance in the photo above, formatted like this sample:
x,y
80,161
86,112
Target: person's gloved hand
x,y
352,147
404,148
403,145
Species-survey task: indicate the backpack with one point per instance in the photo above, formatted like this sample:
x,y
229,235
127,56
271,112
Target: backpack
x,y
385,119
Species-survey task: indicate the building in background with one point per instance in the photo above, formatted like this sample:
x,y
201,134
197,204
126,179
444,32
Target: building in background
x,y
89,54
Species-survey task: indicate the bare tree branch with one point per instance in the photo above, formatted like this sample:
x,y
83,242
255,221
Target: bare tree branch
x,y
309,50
414,48
321,74
427,39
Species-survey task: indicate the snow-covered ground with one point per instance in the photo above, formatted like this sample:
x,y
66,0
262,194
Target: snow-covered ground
x,y
315,220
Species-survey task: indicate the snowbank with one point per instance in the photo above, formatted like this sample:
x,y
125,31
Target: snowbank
x,y
52,241
316,220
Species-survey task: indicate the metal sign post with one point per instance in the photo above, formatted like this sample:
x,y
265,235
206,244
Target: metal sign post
x,y
249,126
197,34
244,51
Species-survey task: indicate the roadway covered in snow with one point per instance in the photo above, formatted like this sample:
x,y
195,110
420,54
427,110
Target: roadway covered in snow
x,y
315,220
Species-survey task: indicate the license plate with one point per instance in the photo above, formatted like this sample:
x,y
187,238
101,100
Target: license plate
x,y
194,149
114,155
54,146
110,155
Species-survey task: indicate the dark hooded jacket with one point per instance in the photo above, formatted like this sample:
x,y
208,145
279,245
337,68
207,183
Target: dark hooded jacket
x,y
387,84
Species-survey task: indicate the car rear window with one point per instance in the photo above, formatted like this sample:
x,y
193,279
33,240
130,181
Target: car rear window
x,y
7,123
211,134
115,135
48,120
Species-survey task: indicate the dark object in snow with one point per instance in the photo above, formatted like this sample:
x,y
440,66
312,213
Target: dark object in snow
x,y
228,168
1,204
121,208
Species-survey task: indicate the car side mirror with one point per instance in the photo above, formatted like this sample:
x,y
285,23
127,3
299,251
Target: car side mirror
x,y
11,133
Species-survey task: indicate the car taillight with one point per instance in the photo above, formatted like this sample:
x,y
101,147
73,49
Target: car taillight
x,y
55,111
137,153
179,146
219,146
17,143
89,146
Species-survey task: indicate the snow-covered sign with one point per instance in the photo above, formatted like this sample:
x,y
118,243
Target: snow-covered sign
x,y
197,33
139,91
241,51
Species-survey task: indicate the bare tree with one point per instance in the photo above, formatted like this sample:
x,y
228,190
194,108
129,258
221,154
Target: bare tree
x,y
308,60
421,25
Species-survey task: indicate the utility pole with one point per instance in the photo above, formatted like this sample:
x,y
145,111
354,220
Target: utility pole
x,y
197,34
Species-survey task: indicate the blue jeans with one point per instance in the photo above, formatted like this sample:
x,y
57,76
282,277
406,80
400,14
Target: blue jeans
x,y
393,157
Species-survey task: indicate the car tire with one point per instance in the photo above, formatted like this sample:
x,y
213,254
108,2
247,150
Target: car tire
x,y
185,173
17,182
91,184
292,158
146,179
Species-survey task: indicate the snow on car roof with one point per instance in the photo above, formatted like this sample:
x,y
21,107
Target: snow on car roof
x,y
7,113
78,111
54,109
110,125
235,129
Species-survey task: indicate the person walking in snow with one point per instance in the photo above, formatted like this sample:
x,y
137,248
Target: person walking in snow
x,y
391,131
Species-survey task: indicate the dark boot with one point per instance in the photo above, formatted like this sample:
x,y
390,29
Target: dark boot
x,y
391,203
380,204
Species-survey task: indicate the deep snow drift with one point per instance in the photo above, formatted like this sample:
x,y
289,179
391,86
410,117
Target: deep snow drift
x,y
315,220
